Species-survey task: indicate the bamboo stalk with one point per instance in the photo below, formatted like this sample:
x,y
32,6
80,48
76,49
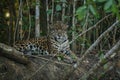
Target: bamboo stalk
x,y
47,8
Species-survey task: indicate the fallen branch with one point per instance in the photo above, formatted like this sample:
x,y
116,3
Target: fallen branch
x,y
11,53
109,55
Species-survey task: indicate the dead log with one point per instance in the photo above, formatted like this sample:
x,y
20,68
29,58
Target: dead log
x,y
13,54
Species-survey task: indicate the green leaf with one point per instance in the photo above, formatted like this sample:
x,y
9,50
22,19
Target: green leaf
x,y
92,9
49,11
81,12
58,8
115,10
108,4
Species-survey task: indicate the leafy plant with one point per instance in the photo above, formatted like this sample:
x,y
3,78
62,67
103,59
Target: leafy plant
x,y
108,5
58,7
81,12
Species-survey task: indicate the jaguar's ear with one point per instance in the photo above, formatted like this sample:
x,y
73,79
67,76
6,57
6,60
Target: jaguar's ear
x,y
61,25
51,27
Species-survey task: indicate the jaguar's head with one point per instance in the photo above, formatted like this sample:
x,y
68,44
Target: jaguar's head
x,y
58,32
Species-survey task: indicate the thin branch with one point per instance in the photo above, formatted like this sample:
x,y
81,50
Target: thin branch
x,y
29,19
63,10
52,12
16,25
47,8
21,23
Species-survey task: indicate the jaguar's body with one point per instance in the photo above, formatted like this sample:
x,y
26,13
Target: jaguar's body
x,y
55,44
33,46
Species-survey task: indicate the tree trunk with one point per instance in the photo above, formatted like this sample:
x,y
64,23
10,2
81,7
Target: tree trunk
x,y
37,20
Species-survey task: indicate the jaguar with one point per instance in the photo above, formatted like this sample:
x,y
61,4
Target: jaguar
x,y
56,43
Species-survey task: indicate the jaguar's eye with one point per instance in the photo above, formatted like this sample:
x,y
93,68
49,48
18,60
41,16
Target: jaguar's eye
x,y
22,44
37,46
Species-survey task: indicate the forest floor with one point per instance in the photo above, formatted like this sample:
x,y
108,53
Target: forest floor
x,y
41,69
46,67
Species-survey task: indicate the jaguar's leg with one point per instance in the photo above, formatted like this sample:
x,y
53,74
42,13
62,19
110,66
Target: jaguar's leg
x,y
70,56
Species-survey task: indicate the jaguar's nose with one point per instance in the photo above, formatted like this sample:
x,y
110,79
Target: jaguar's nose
x,y
58,35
